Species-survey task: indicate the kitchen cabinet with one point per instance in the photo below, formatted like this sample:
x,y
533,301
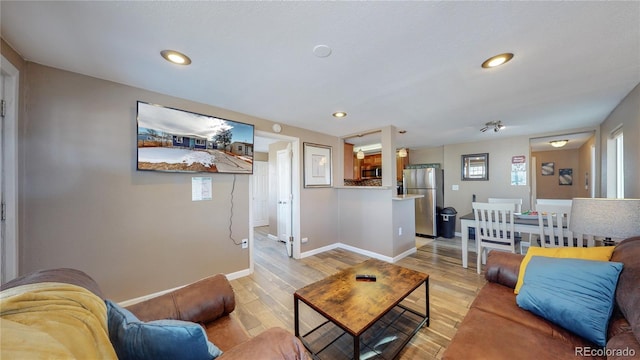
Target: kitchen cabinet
x,y
372,160
401,163
349,169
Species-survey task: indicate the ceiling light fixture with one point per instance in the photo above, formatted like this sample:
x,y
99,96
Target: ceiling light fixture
x,y
496,125
497,60
402,153
175,57
339,114
558,143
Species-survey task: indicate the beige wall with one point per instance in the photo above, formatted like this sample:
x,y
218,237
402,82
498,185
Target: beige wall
x,y
627,115
548,186
499,184
73,211
84,205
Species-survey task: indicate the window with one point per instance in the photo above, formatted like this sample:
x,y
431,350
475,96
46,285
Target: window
x,y
178,139
615,164
200,142
619,166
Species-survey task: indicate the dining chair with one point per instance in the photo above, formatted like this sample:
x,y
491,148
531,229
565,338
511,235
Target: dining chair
x,y
494,228
516,201
553,222
563,202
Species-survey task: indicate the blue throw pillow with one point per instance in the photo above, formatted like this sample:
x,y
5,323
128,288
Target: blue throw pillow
x,y
161,339
575,294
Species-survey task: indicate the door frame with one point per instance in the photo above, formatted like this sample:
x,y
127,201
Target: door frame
x,y
295,191
10,162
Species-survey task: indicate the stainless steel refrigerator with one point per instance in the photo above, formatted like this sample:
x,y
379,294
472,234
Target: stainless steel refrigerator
x,y
427,182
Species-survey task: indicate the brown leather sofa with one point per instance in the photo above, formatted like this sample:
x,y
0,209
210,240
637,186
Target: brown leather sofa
x,y
496,328
209,302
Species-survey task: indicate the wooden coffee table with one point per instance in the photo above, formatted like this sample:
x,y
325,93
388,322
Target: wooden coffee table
x,y
373,313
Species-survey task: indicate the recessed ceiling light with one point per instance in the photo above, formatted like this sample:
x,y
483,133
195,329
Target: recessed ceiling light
x,y
497,60
339,114
175,57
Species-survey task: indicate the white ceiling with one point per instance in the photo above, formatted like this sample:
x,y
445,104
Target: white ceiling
x,y
415,65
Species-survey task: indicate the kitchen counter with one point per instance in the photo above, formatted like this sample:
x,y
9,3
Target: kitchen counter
x,y
364,187
406,197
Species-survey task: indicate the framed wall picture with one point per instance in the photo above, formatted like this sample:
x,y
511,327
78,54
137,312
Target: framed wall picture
x,y
317,165
547,169
565,176
475,167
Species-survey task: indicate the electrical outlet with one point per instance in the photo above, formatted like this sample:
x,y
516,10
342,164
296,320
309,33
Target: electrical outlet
x,y
245,243
399,231
304,240
455,187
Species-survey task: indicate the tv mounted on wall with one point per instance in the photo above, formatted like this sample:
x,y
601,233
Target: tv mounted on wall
x,y
182,141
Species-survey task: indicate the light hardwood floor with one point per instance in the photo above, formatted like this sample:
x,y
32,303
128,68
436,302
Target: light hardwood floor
x,y
265,299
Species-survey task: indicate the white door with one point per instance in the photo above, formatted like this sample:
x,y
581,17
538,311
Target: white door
x,y
3,250
260,193
284,198
8,172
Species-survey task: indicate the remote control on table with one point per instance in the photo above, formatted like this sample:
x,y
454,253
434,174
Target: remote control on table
x,y
365,277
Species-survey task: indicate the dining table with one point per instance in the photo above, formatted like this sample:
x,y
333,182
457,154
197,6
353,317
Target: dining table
x,y
521,224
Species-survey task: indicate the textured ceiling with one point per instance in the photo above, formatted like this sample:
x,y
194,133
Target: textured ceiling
x,y
415,65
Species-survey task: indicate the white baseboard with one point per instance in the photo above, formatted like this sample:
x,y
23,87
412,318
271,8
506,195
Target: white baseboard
x,y
231,276
358,251
318,250
239,274
247,272
405,254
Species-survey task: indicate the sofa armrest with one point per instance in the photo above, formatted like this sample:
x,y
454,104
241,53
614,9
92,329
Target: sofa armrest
x,y
61,275
200,302
503,268
274,343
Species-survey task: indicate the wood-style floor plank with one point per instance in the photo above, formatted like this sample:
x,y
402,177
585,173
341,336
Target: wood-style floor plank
x,y
265,298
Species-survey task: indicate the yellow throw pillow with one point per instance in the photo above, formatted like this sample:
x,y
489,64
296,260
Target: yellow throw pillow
x,y
602,253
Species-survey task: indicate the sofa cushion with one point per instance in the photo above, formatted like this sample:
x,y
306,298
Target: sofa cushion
x,y
628,291
483,335
591,253
573,293
160,339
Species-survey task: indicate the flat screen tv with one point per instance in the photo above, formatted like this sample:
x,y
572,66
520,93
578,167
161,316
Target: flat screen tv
x,y
182,141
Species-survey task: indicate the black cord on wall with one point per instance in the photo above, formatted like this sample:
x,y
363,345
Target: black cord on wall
x,y
233,188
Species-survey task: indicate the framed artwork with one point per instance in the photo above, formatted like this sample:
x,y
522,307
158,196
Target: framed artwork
x,y
475,167
317,165
547,169
565,176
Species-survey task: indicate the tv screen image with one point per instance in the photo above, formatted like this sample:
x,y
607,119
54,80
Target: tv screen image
x,y
183,141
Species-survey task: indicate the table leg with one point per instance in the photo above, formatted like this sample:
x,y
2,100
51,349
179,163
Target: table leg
x,y
356,347
464,227
426,285
295,317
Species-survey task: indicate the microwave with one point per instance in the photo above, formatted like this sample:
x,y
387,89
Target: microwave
x,y
374,172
